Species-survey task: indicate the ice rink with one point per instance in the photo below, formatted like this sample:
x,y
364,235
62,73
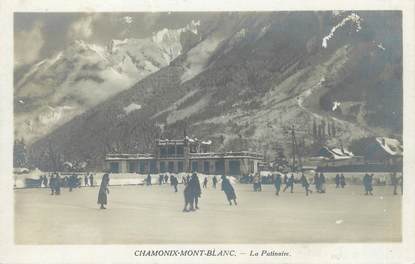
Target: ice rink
x,y
153,215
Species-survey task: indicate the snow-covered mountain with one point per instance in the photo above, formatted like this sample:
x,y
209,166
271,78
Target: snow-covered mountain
x,y
247,79
56,89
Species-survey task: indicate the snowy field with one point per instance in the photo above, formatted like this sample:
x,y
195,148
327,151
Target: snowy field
x,y
153,215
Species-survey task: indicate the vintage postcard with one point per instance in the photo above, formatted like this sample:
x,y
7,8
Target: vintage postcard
x,y
179,132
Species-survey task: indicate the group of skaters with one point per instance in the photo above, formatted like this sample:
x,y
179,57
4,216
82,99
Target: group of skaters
x,y
192,188
289,183
55,182
340,180
192,191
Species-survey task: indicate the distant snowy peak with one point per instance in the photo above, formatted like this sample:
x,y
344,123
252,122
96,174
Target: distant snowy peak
x,y
167,35
353,18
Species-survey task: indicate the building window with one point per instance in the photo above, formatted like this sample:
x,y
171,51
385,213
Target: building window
x,y
171,151
132,166
193,148
171,166
194,166
115,167
142,166
153,166
235,167
206,165
180,166
163,152
220,167
162,167
180,151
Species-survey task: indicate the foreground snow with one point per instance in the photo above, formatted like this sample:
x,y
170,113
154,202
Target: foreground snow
x,y
152,214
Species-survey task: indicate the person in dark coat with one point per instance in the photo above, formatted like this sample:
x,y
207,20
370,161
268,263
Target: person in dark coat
x,y
214,181
322,181
366,183
45,181
317,182
174,182
161,177
205,182
57,184
277,184
290,184
371,184
71,182
229,190
91,180
166,178
337,180
52,184
342,180
197,191
103,191
86,179
171,179
148,180
188,199
305,184
256,184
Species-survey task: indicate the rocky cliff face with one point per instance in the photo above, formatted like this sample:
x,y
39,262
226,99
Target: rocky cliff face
x,y
246,80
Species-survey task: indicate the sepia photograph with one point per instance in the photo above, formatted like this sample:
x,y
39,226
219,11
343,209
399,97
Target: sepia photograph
x,y
225,127
271,135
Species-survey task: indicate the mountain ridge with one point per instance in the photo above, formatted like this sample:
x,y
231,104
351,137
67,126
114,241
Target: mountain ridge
x,y
250,80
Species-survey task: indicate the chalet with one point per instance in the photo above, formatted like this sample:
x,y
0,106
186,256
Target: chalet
x,y
185,155
384,150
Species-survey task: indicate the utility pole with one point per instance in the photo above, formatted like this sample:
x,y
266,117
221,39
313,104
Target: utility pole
x,y
294,146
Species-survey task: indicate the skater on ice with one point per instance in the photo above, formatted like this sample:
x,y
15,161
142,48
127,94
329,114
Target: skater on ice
x,y
103,191
342,180
197,191
277,184
205,182
214,181
305,184
229,190
91,180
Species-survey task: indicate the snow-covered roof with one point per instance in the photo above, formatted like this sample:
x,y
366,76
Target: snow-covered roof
x,y
338,153
190,139
390,145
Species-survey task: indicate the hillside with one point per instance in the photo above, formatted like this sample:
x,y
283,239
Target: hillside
x,y
248,78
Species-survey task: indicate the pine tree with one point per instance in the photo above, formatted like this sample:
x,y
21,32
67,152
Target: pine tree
x,y
19,153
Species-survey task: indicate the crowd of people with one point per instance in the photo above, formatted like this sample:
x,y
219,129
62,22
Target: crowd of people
x,y
193,190
55,181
